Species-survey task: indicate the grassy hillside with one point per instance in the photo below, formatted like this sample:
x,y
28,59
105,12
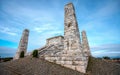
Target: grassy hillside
x,y
37,66
102,67
34,66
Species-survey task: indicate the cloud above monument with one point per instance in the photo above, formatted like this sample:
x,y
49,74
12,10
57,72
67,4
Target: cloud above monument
x,y
44,19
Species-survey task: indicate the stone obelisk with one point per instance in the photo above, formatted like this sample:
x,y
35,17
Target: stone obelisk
x,y
22,44
85,44
73,53
71,30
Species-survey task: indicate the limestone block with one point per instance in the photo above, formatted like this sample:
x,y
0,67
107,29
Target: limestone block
x,y
70,66
67,58
62,62
63,58
80,68
78,59
47,58
53,58
58,62
68,62
58,58
78,63
57,40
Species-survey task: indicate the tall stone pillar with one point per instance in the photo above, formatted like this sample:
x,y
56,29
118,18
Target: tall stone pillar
x,y
23,44
85,44
71,31
73,53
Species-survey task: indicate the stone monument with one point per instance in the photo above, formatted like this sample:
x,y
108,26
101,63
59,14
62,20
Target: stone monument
x,y
85,45
66,50
72,53
23,44
71,31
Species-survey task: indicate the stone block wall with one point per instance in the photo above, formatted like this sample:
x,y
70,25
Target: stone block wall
x,y
57,40
53,46
70,62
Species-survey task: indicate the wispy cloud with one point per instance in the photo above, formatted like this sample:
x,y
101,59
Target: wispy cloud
x,y
7,30
111,50
31,13
42,22
100,22
45,27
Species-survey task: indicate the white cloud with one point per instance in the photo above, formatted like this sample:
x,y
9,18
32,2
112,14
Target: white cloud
x,y
111,50
7,30
45,27
42,22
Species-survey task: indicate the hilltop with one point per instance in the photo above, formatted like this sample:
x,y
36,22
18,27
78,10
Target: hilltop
x,y
38,66
102,67
34,66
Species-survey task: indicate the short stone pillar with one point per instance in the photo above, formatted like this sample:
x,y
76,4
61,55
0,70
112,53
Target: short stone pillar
x,y
85,44
23,44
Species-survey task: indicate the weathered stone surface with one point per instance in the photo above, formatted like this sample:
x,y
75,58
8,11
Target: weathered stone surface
x,y
80,68
70,66
78,62
58,40
50,50
67,51
72,44
85,44
23,44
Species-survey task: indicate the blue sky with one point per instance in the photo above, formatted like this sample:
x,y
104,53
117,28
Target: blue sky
x,y
45,19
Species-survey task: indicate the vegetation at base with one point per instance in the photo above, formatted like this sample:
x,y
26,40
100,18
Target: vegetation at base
x,y
22,54
35,53
116,58
6,59
110,58
106,57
